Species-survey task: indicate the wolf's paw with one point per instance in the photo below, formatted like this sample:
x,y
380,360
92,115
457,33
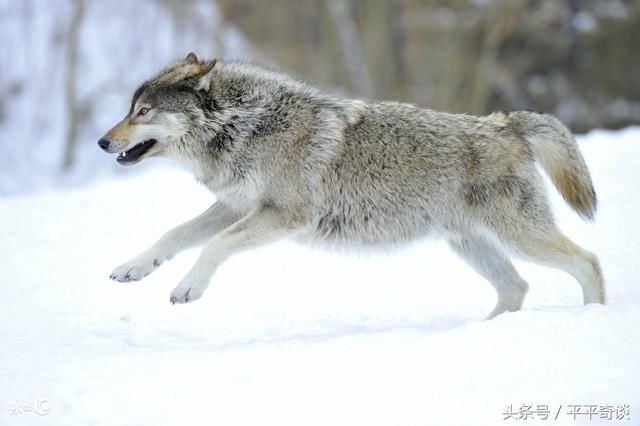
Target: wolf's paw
x,y
188,290
135,269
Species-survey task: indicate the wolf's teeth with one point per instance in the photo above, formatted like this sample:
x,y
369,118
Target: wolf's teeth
x,y
124,154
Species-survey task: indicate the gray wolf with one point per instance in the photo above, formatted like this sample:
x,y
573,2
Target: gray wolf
x,y
286,160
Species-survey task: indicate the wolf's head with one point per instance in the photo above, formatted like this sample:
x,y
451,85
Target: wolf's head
x,y
162,111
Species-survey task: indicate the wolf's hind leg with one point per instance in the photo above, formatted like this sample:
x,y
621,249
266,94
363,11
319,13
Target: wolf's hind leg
x,y
490,262
554,249
189,234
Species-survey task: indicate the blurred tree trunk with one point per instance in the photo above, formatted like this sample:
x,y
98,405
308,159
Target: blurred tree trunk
x,y
71,66
376,18
495,28
352,51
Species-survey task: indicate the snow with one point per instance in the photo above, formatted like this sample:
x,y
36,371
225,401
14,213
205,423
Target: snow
x,y
291,335
584,21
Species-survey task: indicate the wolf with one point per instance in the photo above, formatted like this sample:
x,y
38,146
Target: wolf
x,y
286,160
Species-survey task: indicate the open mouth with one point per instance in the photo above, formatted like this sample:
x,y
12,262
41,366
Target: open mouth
x,y
133,155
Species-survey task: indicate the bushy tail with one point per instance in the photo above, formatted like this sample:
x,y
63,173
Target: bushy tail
x,y
558,154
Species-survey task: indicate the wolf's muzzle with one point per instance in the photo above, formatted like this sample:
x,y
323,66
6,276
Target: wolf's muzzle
x,y
104,144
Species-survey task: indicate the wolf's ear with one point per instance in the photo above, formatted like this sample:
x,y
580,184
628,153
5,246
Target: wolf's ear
x,y
204,75
191,58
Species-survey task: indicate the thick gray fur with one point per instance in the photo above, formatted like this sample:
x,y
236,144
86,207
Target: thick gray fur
x,y
287,160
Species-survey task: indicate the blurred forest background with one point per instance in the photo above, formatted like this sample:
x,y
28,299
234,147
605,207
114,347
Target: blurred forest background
x,y
68,67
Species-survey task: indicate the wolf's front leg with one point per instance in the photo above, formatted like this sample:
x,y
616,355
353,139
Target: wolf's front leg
x,y
189,234
262,226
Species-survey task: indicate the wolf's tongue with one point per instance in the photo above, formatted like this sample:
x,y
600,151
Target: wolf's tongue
x,y
136,152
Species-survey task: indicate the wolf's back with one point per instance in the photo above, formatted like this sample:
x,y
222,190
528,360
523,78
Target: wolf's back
x,y
557,152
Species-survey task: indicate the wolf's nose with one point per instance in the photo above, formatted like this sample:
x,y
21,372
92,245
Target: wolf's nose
x,y
104,144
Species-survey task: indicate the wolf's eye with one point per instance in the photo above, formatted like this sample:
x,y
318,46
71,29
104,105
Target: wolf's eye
x,y
143,111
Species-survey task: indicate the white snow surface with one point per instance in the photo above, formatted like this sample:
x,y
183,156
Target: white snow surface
x,y
290,335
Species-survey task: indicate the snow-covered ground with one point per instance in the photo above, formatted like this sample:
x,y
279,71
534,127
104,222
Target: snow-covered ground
x,y
288,335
